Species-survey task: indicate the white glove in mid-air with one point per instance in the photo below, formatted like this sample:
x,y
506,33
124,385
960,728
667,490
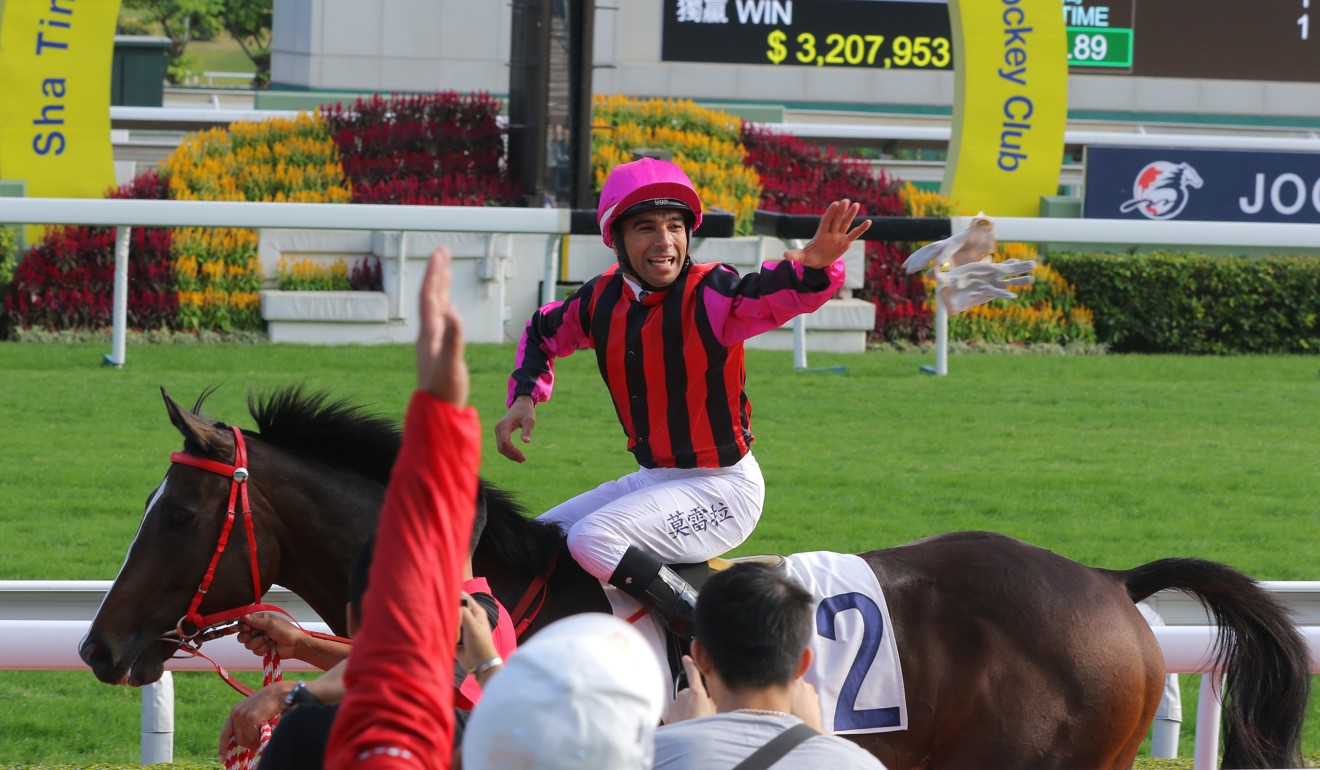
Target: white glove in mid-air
x,y
976,283
961,267
970,245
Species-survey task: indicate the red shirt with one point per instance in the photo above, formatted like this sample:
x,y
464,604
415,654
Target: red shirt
x,y
397,710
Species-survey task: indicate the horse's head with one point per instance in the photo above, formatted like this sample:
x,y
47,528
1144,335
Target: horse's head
x,y
164,569
1188,177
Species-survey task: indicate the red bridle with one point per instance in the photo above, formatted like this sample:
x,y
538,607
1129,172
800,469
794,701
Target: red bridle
x,y
203,625
206,627
238,475
235,756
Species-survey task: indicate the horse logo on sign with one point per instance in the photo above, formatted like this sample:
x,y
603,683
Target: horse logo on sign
x,y
1160,189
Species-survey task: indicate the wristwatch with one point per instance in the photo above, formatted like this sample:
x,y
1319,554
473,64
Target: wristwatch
x,y
300,696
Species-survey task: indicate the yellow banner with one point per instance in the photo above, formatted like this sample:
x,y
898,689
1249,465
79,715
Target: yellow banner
x,y
1010,105
55,59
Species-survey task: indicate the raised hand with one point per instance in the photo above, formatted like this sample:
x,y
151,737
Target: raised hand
x,y
441,370
832,236
806,704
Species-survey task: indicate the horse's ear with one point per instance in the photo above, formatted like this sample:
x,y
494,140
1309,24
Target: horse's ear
x,y
197,432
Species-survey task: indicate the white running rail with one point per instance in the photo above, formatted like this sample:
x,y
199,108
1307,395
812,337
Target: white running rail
x,y
43,622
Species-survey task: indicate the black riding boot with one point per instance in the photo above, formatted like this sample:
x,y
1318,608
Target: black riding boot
x,y
643,577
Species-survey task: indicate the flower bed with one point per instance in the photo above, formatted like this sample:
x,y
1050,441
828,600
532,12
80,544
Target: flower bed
x,y
705,143
67,281
278,160
433,149
799,178
1045,312
281,159
436,149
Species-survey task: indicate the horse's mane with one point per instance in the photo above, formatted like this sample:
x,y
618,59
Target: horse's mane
x,y
348,436
514,541
335,432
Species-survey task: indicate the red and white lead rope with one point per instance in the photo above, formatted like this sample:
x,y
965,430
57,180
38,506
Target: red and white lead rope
x,y
239,757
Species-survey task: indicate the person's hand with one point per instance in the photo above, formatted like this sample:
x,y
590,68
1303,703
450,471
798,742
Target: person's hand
x,y
832,237
693,702
521,416
441,370
967,286
970,245
806,704
476,645
263,632
245,719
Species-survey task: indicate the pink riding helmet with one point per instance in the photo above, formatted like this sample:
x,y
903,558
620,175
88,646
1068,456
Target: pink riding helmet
x,y
643,185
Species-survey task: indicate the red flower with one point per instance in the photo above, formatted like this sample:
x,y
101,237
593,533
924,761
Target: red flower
x,y
801,178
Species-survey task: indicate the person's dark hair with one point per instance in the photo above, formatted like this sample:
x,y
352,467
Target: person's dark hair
x,y
357,574
479,520
755,623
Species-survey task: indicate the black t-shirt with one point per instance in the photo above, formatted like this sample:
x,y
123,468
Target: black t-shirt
x,y
298,742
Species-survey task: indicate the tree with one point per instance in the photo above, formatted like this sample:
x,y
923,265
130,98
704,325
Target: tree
x,y
181,21
248,22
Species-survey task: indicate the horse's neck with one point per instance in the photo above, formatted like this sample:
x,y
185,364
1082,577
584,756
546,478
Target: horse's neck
x,y
320,523
568,589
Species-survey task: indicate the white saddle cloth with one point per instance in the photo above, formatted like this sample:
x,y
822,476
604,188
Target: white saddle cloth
x,y
856,669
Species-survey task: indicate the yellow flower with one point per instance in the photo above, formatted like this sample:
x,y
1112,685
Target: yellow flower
x,y
282,159
705,144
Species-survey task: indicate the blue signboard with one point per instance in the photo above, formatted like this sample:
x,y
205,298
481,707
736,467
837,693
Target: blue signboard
x,y
1203,185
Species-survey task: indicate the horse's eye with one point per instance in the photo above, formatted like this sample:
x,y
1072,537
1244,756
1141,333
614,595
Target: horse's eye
x,y
179,517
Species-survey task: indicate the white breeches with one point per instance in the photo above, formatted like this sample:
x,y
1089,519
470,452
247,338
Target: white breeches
x,y
678,515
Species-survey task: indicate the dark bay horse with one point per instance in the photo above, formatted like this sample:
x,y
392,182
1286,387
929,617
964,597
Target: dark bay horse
x,y
1013,656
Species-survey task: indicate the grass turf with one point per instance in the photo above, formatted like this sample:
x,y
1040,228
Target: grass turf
x,y
223,54
1112,461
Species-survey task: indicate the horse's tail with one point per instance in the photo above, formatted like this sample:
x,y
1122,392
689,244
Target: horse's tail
x,y
1266,659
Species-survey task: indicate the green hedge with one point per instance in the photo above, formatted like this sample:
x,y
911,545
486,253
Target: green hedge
x,y
1197,303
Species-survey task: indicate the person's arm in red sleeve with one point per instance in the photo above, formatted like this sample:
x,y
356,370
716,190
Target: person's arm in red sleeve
x,y
397,709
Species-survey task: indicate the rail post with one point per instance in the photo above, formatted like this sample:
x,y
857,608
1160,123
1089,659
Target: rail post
x,y
119,338
158,721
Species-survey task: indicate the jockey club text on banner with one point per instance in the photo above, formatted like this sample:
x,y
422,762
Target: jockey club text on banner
x,y
1203,185
55,58
1010,105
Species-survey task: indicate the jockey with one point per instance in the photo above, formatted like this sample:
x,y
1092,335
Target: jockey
x,y
668,335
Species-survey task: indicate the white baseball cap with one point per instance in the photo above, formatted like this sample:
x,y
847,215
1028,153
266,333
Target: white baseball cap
x,y
585,692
